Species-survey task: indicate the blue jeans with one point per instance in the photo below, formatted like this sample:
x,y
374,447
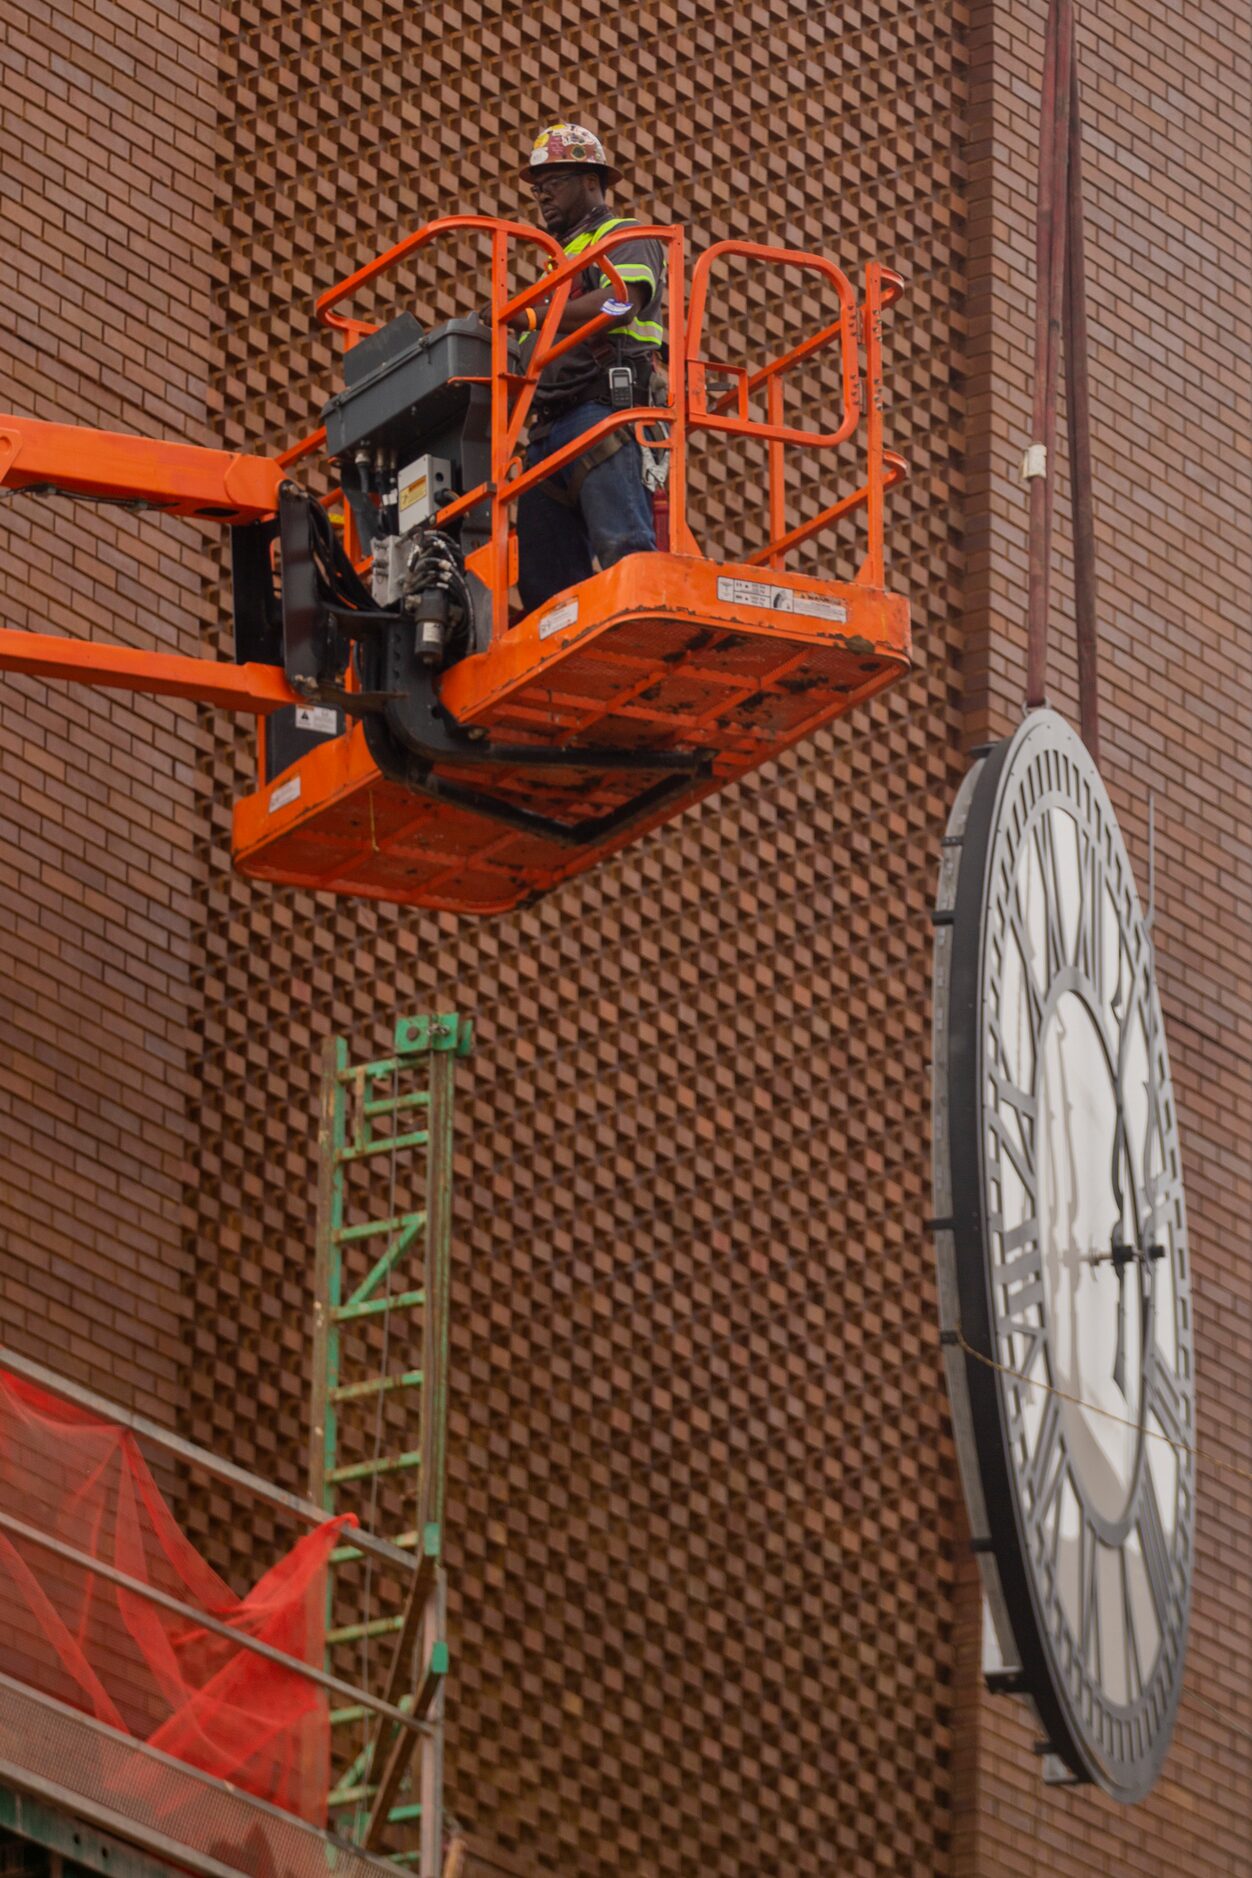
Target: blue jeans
x,y
612,518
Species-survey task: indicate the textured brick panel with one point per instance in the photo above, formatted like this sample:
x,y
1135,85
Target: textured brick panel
x,y
1168,175
710,1608
106,144
702,1496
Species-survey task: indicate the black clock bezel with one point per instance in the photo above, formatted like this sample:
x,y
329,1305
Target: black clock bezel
x,y
1037,1673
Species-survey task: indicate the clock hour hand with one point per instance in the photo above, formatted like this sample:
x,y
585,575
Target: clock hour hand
x,y
1121,1255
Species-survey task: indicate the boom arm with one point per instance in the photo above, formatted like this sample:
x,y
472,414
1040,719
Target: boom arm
x,y
107,466
177,479
255,690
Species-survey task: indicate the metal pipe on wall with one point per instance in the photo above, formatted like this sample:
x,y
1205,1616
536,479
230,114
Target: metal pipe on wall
x,y
1078,413
1050,253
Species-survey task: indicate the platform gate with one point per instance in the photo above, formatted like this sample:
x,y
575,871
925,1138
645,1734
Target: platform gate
x,y
379,1418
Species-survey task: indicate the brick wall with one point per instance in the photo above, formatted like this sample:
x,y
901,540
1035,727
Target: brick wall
x,y
710,1606
1168,174
702,1495
107,145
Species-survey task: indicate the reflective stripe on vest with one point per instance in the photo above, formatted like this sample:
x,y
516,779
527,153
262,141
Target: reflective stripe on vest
x,y
644,332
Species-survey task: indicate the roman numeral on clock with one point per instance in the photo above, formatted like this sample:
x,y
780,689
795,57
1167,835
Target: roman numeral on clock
x,y
1053,898
1134,1664
1156,1551
1046,1466
1021,1101
1088,1595
1089,956
1017,1149
1165,1399
1019,1329
1015,919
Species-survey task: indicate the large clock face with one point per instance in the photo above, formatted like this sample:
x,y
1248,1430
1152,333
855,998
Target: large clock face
x,y
1062,1243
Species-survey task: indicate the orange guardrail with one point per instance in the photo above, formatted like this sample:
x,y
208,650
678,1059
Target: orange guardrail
x,y
688,406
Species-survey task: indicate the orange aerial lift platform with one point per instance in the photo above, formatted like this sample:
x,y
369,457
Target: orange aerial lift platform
x,y
419,740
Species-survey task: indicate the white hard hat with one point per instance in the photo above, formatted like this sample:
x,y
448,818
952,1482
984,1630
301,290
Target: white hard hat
x,y
570,146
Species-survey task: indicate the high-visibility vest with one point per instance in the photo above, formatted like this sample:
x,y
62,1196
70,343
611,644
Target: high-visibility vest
x,y
642,331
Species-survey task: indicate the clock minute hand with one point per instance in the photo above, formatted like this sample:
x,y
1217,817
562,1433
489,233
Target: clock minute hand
x,y
1120,1253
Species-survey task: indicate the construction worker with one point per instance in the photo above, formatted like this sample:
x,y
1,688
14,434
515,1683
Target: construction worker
x,y
596,509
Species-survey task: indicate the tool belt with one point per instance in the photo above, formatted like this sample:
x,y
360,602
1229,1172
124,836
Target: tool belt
x,y
596,391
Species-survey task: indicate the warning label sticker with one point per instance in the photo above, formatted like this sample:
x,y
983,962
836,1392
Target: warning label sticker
x,y
558,616
285,793
817,608
320,717
779,599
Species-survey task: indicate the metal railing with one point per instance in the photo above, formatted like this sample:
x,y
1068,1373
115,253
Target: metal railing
x,y
403,1715
855,327
688,407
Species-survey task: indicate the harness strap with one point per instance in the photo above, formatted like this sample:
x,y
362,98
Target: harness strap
x,y
581,468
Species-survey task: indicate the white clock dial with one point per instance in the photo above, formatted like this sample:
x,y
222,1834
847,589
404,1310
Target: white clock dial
x,y
1063,1254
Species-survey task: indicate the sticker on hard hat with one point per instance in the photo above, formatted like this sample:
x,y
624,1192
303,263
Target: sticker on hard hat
x,y
779,599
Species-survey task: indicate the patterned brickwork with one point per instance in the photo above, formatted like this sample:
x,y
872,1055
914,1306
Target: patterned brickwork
x,y
107,142
701,1489
1168,111
710,1607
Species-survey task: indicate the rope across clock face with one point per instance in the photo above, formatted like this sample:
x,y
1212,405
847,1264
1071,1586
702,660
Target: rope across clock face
x,y
1062,1243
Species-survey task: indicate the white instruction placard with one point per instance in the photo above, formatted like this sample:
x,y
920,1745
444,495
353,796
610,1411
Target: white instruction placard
x,y
321,717
285,793
778,599
817,608
558,616
754,593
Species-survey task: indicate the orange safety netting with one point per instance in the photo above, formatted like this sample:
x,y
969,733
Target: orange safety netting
x,y
146,1671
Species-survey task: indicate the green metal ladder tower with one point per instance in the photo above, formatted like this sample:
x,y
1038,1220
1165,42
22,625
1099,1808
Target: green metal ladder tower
x,y
380,1406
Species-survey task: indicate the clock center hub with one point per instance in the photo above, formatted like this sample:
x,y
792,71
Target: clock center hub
x,y
1094,1312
